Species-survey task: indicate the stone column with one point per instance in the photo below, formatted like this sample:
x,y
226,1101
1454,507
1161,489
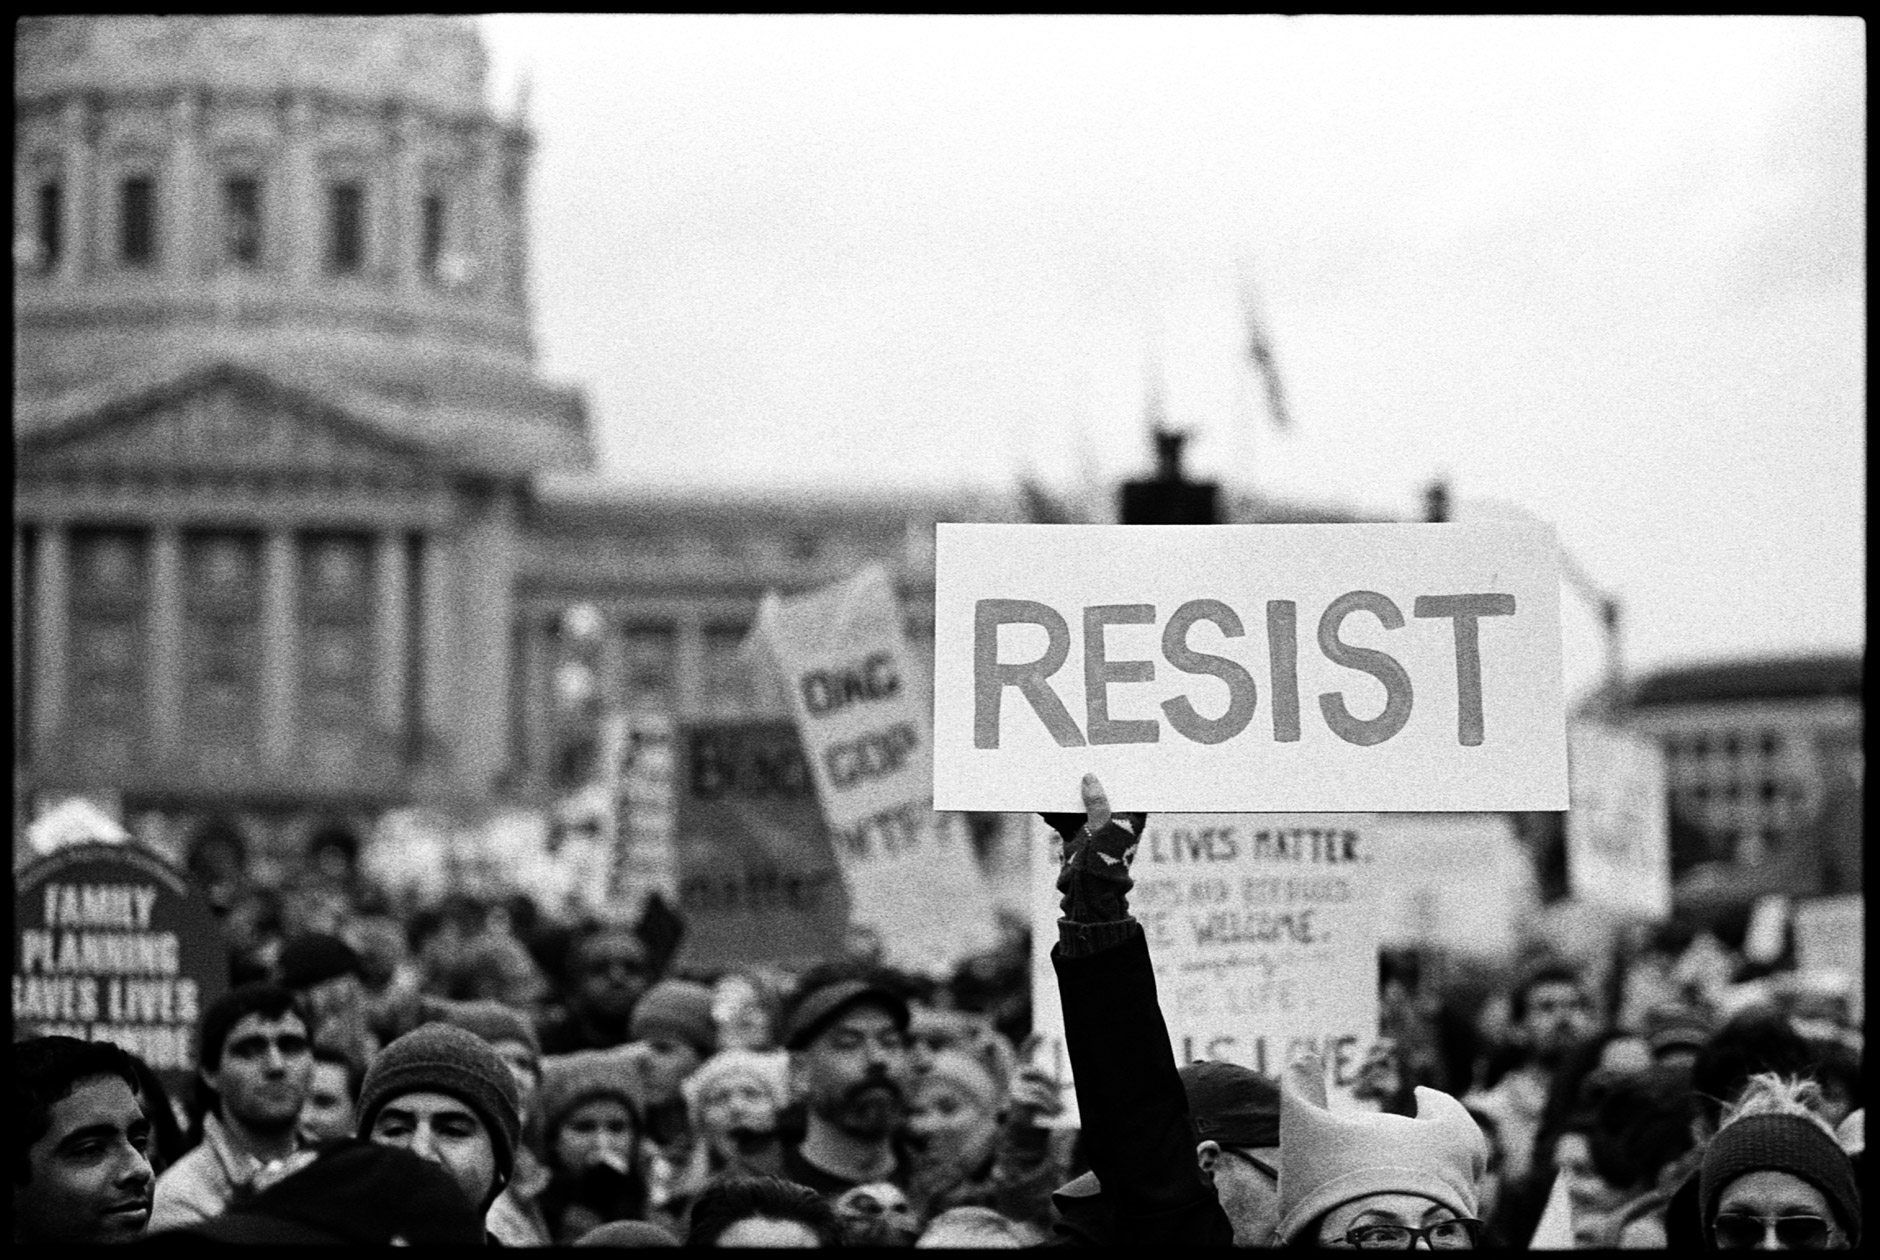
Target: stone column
x,y
280,656
304,201
166,637
180,192
536,688
79,197
50,626
389,632
437,665
406,196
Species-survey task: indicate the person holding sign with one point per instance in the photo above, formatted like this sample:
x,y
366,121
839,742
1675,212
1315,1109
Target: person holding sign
x,y
1345,1178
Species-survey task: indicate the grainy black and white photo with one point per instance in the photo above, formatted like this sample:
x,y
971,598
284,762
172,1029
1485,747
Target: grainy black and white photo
x,y
955,631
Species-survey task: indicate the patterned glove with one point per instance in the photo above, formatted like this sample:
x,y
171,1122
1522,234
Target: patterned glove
x,y
1097,849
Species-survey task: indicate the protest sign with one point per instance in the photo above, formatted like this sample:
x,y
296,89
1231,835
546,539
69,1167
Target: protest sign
x,y
111,943
1263,933
1461,882
757,878
640,748
1618,830
61,822
1830,936
1249,667
843,659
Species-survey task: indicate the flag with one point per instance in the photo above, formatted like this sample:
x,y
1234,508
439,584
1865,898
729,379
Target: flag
x,y
1260,354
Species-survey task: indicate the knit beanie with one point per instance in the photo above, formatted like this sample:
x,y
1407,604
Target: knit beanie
x,y
316,958
492,1021
1332,1157
960,1069
1780,1143
568,1080
768,1069
678,1009
445,1059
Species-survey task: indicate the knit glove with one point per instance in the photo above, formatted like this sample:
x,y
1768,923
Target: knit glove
x,y
1094,878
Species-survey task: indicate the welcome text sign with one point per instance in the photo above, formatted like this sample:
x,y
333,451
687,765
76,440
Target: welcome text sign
x,y
1249,668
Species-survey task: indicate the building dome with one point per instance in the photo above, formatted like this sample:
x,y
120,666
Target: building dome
x,y
329,200
435,62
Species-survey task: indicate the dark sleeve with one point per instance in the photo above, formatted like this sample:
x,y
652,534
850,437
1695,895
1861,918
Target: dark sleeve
x,y
1134,1112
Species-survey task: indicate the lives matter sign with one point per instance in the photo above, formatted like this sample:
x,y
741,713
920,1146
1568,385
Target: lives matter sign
x,y
111,943
1249,668
1263,929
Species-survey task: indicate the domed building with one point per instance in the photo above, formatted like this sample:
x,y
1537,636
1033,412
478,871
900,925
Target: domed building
x,y
284,552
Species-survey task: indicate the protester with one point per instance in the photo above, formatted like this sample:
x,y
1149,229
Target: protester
x,y
628,1234
81,1166
607,971
735,1098
975,1227
672,1033
352,1192
745,1009
254,1067
516,1218
1627,1131
978,1143
1235,1112
592,1127
1552,1017
443,1094
168,1141
761,1212
849,1063
325,973
1774,1176
331,1110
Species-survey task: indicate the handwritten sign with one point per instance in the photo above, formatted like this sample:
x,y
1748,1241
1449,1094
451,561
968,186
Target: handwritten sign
x,y
111,943
1263,933
1459,881
1618,830
1249,667
1830,935
758,880
844,661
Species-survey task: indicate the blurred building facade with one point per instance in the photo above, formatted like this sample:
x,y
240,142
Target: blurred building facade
x,y
288,544
1765,759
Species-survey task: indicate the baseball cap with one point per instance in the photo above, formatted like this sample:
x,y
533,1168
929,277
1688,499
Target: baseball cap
x,y
1231,1104
816,1009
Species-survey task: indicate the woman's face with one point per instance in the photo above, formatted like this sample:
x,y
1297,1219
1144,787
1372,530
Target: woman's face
x,y
950,1126
1413,1210
733,1106
599,1131
1752,1209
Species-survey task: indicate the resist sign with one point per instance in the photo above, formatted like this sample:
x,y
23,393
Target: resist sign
x,y
1249,668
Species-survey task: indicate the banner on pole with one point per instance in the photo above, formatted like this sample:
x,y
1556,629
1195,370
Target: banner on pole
x,y
845,664
1249,667
1618,830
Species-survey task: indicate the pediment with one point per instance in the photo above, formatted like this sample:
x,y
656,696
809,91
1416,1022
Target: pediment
x,y
227,420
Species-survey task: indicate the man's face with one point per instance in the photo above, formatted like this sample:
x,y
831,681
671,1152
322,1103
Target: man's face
x,y
267,1064
612,974
854,1075
1246,1181
91,1177
1559,1017
329,1111
445,1131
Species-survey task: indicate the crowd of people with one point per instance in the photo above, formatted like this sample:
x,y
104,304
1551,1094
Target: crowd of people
x,y
477,1071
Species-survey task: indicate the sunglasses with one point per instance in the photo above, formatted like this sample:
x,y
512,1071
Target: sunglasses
x,y
1739,1231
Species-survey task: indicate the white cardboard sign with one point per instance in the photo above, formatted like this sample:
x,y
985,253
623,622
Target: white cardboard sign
x,y
1618,836
1249,668
1263,931
843,658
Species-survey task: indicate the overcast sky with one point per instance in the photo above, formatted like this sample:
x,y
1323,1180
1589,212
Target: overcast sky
x,y
1610,272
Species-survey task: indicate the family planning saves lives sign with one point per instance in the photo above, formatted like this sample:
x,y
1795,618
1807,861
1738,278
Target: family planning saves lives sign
x,y
1249,668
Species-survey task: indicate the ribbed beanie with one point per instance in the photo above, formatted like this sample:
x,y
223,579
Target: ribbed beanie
x,y
568,1080
678,1009
445,1059
1779,1143
1332,1157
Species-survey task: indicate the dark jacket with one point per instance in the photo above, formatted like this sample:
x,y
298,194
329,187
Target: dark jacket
x,y
1137,1132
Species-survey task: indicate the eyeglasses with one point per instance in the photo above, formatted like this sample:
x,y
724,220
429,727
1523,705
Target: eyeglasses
x,y
1255,1160
1457,1234
1739,1231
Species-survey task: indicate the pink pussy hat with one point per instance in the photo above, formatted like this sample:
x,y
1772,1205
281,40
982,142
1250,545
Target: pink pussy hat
x,y
1331,1157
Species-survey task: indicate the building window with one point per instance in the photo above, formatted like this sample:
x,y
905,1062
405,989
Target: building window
x,y
431,241
51,213
241,220
137,221
345,228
